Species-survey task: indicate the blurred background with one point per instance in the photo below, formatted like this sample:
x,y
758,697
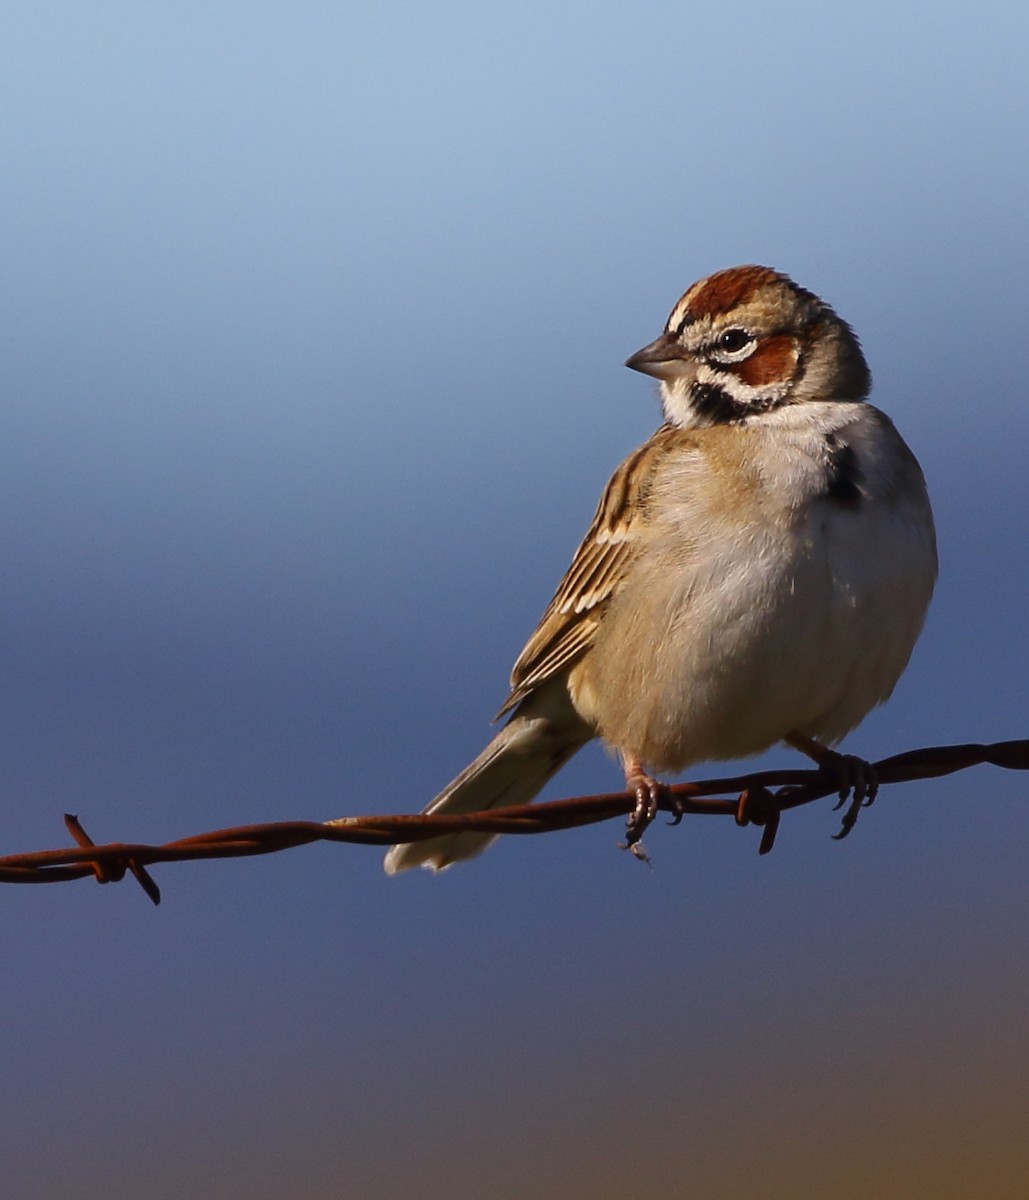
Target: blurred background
x,y
313,322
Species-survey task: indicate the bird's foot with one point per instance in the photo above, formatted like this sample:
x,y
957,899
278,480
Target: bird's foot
x,y
856,775
858,780
649,793
852,773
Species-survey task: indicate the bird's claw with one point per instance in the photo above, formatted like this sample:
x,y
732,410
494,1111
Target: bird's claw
x,y
859,783
649,793
855,776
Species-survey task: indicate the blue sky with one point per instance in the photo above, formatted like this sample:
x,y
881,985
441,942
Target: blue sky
x,y
311,353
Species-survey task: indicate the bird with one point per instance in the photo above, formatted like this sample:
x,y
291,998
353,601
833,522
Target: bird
x,y
757,572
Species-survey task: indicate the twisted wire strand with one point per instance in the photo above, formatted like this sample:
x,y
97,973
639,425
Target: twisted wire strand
x,y
759,798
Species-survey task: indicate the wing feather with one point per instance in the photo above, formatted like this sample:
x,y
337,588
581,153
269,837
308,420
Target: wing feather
x,y
568,627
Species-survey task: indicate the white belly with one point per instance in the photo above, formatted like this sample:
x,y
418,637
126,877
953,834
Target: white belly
x,y
723,642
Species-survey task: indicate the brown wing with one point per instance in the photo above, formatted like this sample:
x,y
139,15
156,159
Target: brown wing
x,y
566,630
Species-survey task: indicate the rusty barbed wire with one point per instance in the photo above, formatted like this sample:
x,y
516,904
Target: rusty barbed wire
x,y
749,799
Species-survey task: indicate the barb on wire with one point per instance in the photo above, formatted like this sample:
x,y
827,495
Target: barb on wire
x,y
757,799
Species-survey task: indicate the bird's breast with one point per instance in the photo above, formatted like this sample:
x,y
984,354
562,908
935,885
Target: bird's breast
x,y
777,589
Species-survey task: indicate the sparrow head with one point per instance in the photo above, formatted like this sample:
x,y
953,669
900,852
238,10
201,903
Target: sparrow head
x,y
746,341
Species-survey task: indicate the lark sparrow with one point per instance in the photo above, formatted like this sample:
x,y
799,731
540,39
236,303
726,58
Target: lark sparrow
x,y
757,572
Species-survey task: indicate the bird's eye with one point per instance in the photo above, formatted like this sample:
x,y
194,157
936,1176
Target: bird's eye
x,y
732,346
733,340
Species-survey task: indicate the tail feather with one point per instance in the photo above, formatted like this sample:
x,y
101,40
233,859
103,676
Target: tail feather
x,y
511,770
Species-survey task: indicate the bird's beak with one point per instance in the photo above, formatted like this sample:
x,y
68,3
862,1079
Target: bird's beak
x,y
665,358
